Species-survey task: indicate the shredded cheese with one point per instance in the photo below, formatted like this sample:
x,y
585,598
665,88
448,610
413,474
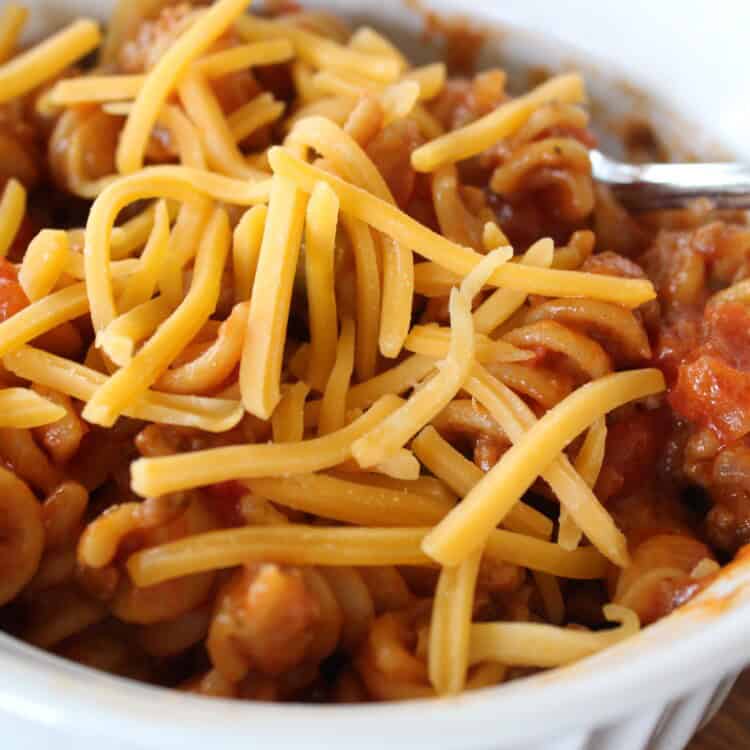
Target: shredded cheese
x,y
465,528
479,135
12,212
46,60
164,77
262,355
391,221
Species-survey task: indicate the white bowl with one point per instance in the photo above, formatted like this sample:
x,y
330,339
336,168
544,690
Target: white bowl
x,y
651,692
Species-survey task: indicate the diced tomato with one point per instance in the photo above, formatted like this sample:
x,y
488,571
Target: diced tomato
x,y
715,395
728,333
633,448
710,367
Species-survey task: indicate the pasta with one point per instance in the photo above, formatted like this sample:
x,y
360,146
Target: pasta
x,y
542,645
326,377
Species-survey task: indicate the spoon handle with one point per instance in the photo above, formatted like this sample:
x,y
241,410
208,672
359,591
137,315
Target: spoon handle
x,y
655,186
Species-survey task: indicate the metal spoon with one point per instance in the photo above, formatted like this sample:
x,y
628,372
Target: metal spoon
x,y
654,186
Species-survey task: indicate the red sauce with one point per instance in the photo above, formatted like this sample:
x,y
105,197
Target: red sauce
x,y
391,151
634,446
583,135
12,297
728,333
712,386
225,501
676,340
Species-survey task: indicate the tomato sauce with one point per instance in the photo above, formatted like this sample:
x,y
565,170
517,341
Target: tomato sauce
x,y
12,297
712,387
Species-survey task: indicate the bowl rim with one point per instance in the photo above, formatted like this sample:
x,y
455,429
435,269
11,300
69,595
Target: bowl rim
x,y
705,638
